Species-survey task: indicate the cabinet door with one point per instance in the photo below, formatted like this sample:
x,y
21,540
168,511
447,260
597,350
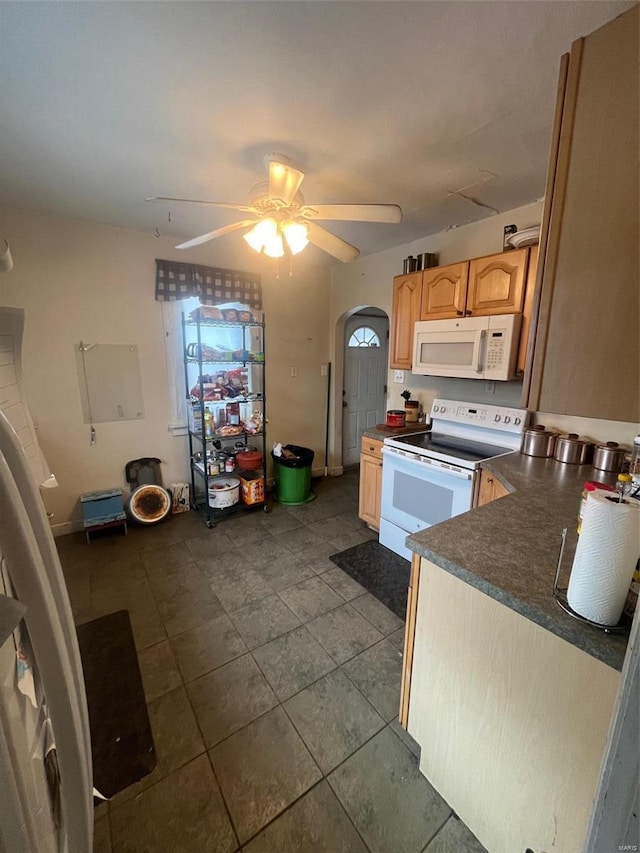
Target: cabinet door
x,y
444,291
404,313
527,309
370,490
490,489
587,360
496,283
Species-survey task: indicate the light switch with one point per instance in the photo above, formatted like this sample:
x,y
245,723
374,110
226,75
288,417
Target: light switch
x,y
323,370
294,372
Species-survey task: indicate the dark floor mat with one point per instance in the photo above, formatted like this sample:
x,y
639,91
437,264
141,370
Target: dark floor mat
x,y
121,740
381,572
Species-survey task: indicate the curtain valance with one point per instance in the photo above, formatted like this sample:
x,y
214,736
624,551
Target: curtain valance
x,y
213,286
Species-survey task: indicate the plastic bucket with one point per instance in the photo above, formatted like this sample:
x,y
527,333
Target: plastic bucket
x,y
293,476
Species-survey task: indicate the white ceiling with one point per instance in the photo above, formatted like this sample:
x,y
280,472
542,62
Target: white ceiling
x,y
444,108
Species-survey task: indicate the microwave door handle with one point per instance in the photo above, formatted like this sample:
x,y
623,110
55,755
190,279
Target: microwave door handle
x,y
478,352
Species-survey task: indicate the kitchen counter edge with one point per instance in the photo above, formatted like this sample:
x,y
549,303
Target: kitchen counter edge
x,y
480,549
380,434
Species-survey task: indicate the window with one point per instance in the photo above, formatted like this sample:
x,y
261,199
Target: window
x,y
364,336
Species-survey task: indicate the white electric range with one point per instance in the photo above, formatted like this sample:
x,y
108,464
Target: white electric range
x,y
428,477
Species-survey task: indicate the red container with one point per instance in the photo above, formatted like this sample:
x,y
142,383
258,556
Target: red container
x,y
396,418
249,460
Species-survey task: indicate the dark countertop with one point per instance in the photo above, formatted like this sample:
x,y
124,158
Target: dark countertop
x,y
391,432
508,548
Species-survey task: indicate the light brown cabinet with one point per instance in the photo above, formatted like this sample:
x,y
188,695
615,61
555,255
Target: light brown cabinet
x,y
586,360
370,481
496,284
405,310
444,291
490,488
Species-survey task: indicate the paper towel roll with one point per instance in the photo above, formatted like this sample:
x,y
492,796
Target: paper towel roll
x,y
605,558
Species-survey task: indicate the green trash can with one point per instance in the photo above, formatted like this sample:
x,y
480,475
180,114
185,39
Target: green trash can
x,y
293,476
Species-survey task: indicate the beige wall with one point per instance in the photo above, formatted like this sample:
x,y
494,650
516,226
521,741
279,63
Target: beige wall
x,y
368,281
81,281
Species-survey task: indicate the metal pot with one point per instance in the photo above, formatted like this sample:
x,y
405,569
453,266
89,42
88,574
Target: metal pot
x,y
609,456
538,441
572,449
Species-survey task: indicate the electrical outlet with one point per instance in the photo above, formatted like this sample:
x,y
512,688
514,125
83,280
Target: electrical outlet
x,y
323,370
398,376
490,386
294,372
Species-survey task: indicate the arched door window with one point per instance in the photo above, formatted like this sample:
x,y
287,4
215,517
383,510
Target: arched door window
x,y
364,336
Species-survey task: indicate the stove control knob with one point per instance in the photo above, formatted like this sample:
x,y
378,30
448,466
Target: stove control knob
x,y
497,418
507,419
517,421
436,408
443,409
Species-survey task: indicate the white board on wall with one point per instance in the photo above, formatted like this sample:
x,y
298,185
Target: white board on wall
x,y
109,380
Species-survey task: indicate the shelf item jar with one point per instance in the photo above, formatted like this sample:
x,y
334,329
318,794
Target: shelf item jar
x,y
233,414
538,441
609,456
411,411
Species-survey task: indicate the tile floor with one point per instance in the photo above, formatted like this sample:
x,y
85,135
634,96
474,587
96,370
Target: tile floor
x,y
272,681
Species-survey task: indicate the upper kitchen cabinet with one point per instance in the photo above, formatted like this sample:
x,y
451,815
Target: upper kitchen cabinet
x,y
497,284
405,311
444,292
586,358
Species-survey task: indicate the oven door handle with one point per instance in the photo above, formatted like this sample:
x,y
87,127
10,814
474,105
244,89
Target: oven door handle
x,y
443,468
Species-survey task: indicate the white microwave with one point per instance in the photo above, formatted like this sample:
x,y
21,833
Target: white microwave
x,y
468,347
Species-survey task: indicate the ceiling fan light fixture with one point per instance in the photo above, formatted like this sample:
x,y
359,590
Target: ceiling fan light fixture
x,y
295,233
274,248
262,234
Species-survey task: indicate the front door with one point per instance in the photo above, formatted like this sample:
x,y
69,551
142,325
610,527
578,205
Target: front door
x,y
365,373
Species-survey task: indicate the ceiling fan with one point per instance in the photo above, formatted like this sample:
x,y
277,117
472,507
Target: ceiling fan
x,y
284,222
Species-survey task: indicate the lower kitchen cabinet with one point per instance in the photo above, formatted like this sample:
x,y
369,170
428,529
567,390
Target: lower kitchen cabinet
x,y
370,481
490,488
511,720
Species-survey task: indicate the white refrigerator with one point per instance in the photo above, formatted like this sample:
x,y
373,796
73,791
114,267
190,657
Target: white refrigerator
x,y
46,803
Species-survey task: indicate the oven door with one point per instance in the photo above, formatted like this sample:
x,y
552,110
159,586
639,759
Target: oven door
x,y
418,492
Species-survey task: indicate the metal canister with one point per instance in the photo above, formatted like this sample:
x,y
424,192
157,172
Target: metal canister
x,y
538,441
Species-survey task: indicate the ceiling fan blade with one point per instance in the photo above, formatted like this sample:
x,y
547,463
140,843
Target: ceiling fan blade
x,y
219,232
331,244
242,207
353,212
284,182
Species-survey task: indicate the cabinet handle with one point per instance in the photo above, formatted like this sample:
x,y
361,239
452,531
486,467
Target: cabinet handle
x,y
460,313
489,479
468,313
380,464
